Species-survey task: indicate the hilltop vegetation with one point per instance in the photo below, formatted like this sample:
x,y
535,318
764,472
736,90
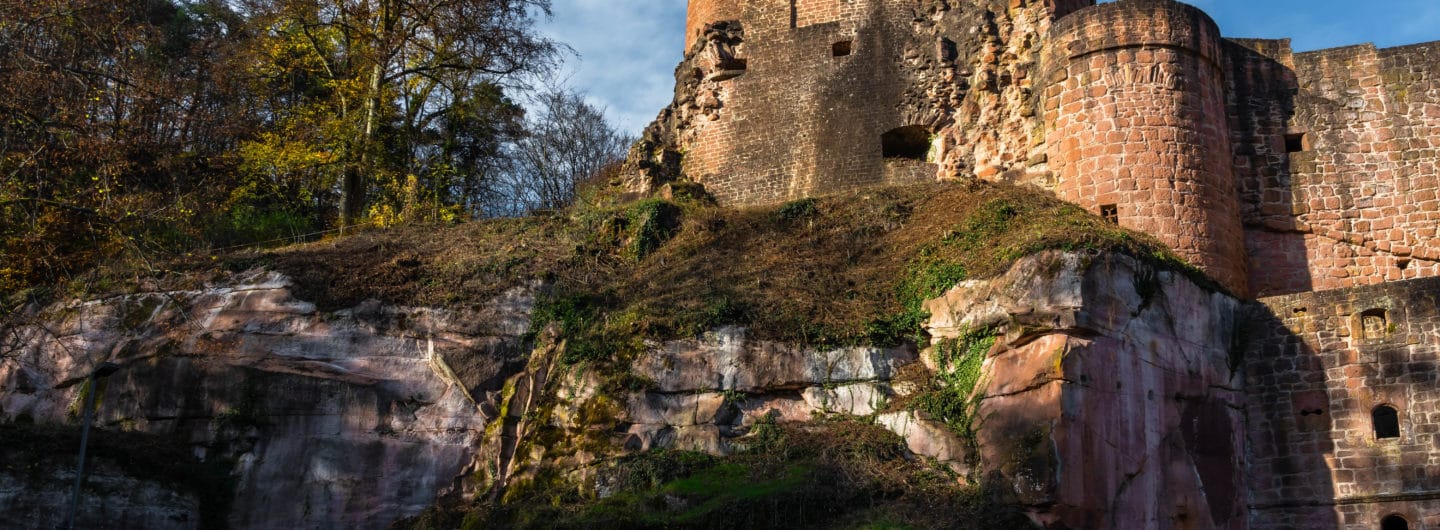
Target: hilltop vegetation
x,y
139,130
841,269
836,270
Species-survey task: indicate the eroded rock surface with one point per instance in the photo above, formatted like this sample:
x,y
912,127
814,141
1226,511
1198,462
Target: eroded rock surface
x,y
348,419
1111,400
715,387
1108,399
40,500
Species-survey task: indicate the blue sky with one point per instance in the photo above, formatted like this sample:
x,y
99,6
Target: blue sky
x,y
627,49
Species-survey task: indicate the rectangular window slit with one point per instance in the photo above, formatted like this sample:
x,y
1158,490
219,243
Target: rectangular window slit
x,y
1111,213
840,49
1297,142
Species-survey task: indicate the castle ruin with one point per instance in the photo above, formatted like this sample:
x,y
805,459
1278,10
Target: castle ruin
x,y
1304,181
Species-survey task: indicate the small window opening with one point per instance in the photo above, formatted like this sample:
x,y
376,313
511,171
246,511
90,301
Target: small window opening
x,y
1111,213
840,49
1394,522
730,69
1403,263
734,64
1387,422
911,141
1374,324
1297,142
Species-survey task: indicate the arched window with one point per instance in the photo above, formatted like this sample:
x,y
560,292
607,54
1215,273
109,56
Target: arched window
x,y
1394,522
1386,421
1374,324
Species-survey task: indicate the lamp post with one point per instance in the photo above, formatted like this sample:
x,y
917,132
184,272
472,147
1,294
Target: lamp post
x,y
104,370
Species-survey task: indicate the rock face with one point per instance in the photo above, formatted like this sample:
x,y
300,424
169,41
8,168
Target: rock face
x,y
41,501
331,420
1110,400
713,389
1107,401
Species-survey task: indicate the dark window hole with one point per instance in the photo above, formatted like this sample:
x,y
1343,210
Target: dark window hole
x,y
1297,142
1402,263
840,49
1394,522
911,141
1387,422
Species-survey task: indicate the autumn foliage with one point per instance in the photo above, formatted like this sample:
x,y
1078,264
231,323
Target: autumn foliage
x,y
151,128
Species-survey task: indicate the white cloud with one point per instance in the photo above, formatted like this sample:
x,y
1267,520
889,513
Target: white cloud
x,y
627,50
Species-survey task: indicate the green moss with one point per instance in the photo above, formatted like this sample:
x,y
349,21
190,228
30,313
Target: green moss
x,y
954,398
651,223
798,209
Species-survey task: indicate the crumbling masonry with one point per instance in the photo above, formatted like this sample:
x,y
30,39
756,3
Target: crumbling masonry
x,y
1307,181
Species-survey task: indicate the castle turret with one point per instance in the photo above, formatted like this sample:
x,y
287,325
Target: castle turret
x,y
1135,115
702,12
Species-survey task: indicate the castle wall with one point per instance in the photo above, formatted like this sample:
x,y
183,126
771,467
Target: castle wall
x,y
1353,199
1136,126
811,12
702,12
802,120
1316,367
1260,91
798,13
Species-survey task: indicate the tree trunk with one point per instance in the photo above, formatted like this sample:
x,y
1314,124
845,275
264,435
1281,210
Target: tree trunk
x,y
356,187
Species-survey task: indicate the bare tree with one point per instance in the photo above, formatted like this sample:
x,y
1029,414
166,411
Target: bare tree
x,y
566,142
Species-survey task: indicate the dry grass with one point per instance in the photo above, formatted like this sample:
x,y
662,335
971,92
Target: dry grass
x,y
843,267
441,266
837,269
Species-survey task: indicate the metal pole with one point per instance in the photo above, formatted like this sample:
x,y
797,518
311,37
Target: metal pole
x,y
84,438
104,370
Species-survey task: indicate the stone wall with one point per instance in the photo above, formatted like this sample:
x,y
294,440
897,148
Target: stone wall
x,y
1317,366
1134,113
1363,165
802,118
702,12
805,13
1275,172
825,81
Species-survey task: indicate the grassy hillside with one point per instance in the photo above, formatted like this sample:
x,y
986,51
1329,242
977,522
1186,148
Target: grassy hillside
x,y
840,269
837,270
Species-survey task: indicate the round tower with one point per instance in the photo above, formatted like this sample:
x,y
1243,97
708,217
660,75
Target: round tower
x,y
1136,127
702,12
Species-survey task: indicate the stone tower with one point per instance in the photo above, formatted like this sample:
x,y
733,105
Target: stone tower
x,y
1134,109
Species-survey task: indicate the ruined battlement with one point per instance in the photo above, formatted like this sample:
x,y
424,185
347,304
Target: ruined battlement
x,y
1136,24
1275,172
1306,180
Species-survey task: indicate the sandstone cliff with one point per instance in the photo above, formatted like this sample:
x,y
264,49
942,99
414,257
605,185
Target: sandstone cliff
x,y
1064,387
